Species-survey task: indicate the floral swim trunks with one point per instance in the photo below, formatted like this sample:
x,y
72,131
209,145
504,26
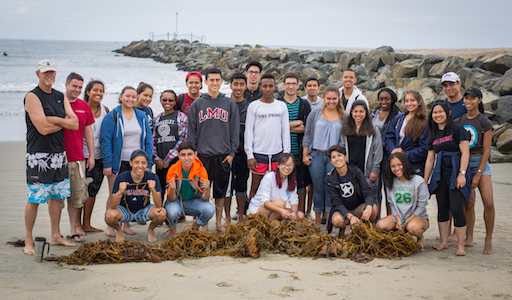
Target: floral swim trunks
x,y
47,176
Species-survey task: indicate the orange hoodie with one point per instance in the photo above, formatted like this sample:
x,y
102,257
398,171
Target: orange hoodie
x,y
196,174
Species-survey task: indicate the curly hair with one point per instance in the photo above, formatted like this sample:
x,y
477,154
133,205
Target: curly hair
x,y
408,170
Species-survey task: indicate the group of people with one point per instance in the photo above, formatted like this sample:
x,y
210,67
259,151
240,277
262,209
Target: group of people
x,y
331,149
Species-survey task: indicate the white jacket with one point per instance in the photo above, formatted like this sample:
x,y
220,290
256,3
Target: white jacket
x,y
356,95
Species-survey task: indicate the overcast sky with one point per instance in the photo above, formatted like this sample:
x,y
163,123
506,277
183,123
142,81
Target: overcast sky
x,y
403,24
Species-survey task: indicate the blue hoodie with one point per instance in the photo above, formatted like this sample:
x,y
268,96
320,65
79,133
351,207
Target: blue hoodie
x,y
112,134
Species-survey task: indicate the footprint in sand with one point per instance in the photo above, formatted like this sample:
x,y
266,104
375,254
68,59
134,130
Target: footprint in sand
x,y
334,273
395,267
224,284
178,275
290,289
273,276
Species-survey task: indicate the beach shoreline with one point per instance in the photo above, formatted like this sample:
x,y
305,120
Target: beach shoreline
x,y
427,275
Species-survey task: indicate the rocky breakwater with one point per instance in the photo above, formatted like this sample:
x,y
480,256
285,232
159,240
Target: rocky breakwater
x,y
375,69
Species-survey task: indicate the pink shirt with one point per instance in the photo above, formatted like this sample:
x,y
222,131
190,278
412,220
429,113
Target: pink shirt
x,y
74,139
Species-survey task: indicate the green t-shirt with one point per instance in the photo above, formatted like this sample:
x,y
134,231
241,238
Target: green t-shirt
x,y
186,190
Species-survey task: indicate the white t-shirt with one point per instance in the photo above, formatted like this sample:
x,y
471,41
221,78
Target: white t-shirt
x,y
96,132
267,128
131,138
268,191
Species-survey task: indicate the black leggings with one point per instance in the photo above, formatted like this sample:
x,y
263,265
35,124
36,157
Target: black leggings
x,y
450,200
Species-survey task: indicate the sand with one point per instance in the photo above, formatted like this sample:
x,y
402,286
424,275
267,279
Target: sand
x,y
427,275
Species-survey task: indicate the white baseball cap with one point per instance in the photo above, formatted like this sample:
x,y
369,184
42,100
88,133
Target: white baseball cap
x,y
450,76
46,65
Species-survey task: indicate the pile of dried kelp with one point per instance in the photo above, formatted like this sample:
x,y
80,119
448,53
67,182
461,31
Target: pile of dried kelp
x,y
248,239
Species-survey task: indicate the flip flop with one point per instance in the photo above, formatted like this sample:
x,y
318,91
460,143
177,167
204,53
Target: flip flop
x,y
75,238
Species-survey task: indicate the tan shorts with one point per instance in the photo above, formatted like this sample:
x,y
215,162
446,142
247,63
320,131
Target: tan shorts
x,y
358,211
77,182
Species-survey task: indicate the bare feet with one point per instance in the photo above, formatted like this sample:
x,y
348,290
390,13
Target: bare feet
x,y
172,233
29,247
218,228
469,243
441,246
111,232
91,229
61,241
80,231
487,247
126,229
120,236
421,243
348,230
195,225
203,228
460,251
151,236
451,238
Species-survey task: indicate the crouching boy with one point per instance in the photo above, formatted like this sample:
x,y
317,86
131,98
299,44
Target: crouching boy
x,y
189,189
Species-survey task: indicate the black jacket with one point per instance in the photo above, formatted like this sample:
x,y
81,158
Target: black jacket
x,y
304,110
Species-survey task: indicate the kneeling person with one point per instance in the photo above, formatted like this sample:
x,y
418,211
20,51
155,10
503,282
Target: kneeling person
x,y
351,196
275,189
130,198
188,179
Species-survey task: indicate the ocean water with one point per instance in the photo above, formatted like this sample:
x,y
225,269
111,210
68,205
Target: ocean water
x,y
92,60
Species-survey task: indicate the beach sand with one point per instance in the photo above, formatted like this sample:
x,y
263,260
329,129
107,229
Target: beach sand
x,y
427,275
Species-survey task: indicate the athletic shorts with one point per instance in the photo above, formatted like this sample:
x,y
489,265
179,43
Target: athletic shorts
x,y
125,166
219,174
97,177
141,215
39,193
78,184
265,163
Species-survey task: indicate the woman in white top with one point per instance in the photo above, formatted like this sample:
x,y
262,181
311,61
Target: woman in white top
x,y
275,189
93,96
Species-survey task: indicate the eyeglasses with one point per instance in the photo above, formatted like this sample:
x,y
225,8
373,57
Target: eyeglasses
x,y
287,166
167,100
253,72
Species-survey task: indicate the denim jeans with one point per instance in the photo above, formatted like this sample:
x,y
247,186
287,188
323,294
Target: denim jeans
x,y
320,165
202,210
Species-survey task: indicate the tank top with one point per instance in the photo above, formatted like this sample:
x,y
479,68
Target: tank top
x,y
53,105
96,130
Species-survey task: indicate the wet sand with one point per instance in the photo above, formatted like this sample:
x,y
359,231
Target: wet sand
x,y
427,275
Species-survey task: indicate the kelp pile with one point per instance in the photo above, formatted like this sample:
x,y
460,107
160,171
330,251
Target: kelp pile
x,y
256,234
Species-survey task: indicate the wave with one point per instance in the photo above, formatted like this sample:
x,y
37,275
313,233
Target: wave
x,y
11,112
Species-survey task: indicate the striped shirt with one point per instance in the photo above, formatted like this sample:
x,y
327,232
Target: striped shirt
x,y
293,115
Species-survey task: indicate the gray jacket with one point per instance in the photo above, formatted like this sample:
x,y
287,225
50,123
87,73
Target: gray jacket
x,y
373,155
313,117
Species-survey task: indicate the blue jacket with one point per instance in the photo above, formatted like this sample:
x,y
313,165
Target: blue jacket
x,y
112,134
436,173
416,152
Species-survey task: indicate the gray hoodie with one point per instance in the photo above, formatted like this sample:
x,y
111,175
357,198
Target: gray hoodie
x,y
373,155
214,125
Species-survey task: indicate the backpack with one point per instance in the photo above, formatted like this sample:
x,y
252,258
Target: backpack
x,y
179,101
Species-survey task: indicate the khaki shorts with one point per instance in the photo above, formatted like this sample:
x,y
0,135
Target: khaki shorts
x,y
78,184
358,211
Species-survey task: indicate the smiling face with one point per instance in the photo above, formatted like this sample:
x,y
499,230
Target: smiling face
x,y
139,165
439,115
145,97
253,74
411,103
338,159
331,100
168,100
312,88
213,82
96,93
267,87
291,85
47,78
194,85
348,79
385,101
358,114
128,98
286,168
396,167
471,102
238,87
73,89
452,89
187,157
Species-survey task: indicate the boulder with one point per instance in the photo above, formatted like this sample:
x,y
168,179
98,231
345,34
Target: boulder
x,y
294,55
304,55
329,56
377,58
336,75
398,82
500,63
360,71
426,64
308,72
291,66
345,60
326,68
406,69
504,85
489,83
317,56
384,74
428,95
450,64
385,49
399,94
467,78
498,130
273,55
370,84
504,143
490,100
503,111
498,157
283,57
403,56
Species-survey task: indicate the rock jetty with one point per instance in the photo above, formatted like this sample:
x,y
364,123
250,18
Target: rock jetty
x,y
375,69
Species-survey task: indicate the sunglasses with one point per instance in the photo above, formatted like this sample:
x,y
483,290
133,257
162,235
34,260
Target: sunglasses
x,y
167,100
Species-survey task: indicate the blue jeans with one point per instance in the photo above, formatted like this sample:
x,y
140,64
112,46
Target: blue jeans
x,y
202,210
320,165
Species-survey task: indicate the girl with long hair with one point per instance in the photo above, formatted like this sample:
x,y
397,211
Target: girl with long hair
x,y
407,196
276,188
323,129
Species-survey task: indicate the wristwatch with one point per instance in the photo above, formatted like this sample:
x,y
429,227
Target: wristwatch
x,y
462,172
479,171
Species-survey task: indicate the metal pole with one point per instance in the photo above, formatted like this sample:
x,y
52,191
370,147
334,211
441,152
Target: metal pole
x,y
176,33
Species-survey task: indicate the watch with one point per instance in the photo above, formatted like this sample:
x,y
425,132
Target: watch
x,y
479,171
462,172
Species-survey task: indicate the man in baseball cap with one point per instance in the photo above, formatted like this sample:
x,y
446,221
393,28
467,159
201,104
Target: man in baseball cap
x,y
451,87
194,82
46,65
